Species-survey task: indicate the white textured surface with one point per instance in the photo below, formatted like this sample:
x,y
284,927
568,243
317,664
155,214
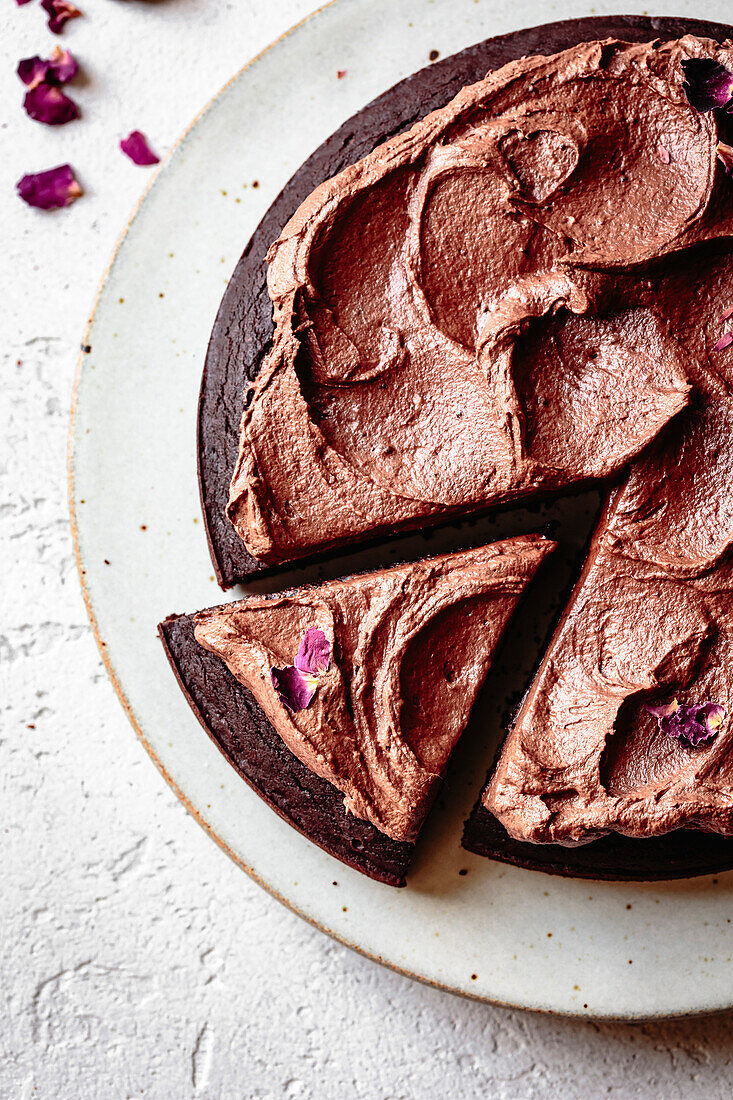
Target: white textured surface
x,y
136,959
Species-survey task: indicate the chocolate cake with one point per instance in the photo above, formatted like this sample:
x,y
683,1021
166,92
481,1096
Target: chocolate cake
x,y
520,291
243,333
349,742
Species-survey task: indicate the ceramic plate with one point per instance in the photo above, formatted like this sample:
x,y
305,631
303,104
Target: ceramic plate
x,y
496,932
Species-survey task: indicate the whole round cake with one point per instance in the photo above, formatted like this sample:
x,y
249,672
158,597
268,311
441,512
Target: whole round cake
x,y
481,289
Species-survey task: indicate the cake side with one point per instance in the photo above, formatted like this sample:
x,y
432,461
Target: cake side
x,y
242,732
405,651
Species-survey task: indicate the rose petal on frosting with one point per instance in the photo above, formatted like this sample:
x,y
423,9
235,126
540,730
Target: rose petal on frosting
x,y
664,709
51,189
724,342
59,13
47,103
664,154
136,147
725,156
691,724
294,688
59,68
726,316
314,653
708,84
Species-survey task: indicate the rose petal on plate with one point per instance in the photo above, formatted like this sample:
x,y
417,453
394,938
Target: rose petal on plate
x,y
51,189
59,13
47,103
708,84
136,147
295,689
20,3
314,653
724,342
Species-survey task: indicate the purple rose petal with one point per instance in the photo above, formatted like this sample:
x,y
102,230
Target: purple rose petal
x,y
59,68
314,653
33,70
724,342
59,12
690,724
664,709
294,688
20,3
296,684
136,147
708,84
51,189
47,103
725,156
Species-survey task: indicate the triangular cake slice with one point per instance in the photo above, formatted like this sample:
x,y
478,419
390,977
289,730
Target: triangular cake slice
x,y
615,734
354,757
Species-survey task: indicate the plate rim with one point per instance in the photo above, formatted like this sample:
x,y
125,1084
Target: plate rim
x,y
197,815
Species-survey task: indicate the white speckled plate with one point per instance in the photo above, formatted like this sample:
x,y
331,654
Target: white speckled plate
x,y
495,932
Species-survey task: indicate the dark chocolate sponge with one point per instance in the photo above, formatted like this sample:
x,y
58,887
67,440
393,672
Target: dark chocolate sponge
x,y
239,342
680,854
237,725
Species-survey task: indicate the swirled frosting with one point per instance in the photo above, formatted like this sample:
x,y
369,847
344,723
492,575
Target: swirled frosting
x,y
651,618
411,647
462,316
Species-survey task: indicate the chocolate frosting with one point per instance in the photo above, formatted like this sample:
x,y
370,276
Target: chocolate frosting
x,y
410,647
461,317
651,617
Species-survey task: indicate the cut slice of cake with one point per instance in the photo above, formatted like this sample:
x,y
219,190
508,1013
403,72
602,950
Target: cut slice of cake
x,y
341,703
626,728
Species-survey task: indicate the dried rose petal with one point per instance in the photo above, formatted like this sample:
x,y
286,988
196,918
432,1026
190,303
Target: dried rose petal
x,y
724,342
725,156
64,65
690,724
664,154
59,68
340,74
314,653
59,12
136,147
20,3
47,103
664,710
33,70
726,316
51,189
708,84
294,688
